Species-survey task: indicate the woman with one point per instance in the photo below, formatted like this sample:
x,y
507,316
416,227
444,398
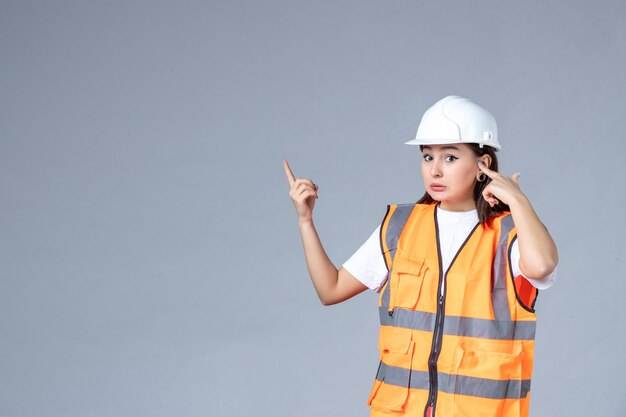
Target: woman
x,y
458,274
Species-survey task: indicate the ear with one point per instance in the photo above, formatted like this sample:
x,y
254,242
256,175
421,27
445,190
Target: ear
x,y
487,160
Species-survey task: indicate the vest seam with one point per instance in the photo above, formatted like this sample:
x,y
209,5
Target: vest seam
x,y
380,236
530,309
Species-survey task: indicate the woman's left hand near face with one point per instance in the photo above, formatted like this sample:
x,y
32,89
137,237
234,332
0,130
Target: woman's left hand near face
x,y
501,187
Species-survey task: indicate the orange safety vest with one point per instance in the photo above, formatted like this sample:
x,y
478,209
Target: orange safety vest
x,y
468,352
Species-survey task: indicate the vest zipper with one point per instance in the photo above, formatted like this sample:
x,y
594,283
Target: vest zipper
x,y
429,410
436,346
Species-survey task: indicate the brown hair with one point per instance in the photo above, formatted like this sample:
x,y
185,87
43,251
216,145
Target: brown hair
x,y
483,209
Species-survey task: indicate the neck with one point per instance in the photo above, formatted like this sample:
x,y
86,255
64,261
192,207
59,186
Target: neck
x,y
447,206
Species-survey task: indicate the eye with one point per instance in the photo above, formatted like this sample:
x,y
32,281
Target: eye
x,y
450,158
428,157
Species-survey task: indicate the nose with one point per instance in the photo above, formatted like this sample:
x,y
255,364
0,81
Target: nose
x,y
435,168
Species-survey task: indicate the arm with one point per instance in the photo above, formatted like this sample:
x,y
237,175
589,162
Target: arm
x,y
538,253
332,286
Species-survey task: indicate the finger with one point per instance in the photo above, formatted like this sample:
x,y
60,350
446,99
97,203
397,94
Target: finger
x,y
305,180
492,201
303,196
515,177
486,196
300,181
489,197
483,168
290,177
299,186
304,186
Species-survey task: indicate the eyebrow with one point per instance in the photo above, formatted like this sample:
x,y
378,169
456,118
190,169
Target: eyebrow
x,y
443,148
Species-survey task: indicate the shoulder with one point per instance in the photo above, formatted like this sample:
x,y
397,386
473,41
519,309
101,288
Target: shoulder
x,y
400,212
410,207
502,220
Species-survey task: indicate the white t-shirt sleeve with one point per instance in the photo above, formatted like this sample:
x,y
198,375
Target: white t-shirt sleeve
x,y
540,284
367,263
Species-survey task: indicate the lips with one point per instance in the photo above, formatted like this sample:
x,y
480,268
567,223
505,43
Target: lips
x,y
437,187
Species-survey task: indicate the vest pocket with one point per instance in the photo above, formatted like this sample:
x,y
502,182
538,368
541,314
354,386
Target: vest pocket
x,y
486,358
487,382
406,284
391,386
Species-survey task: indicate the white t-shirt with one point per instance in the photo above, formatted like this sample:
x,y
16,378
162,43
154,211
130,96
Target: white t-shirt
x,y
368,265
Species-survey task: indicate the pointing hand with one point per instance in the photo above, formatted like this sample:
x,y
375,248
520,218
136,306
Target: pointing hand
x,y
501,187
303,193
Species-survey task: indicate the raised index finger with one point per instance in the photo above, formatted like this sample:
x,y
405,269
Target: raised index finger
x,y
483,168
290,176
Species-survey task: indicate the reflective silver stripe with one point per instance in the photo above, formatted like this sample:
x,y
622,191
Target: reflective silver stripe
x,y
499,297
394,229
456,384
410,319
402,377
461,326
396,224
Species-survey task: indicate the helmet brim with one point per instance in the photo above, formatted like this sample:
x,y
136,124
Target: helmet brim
x,y
439,141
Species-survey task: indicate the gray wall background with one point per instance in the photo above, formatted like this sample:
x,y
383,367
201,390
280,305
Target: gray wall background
x,y
150,260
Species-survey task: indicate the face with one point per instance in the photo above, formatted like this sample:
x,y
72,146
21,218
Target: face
x,y
449,172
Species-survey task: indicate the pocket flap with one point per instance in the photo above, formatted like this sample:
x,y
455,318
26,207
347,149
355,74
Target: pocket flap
x,y
406,281
407,265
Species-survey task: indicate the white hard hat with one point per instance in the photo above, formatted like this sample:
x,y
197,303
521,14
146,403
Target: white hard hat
x,y
455,119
